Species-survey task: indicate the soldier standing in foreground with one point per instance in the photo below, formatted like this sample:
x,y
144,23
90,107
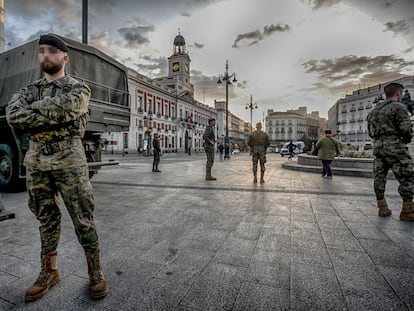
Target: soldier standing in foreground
x,y
157,153
209,141
390,127
258,142
53,111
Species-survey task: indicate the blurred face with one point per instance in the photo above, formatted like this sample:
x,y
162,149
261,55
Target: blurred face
x,y
213,123
51,59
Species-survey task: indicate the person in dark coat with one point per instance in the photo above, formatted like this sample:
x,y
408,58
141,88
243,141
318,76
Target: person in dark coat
x,y
328,147
157,152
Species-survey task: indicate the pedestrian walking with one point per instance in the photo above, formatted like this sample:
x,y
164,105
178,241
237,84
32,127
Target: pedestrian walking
x,y
157,153
327,148
221,151
291,149
209,141
390,127
53,110
258,142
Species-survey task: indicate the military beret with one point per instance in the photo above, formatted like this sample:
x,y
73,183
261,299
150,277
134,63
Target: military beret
x,y
53,41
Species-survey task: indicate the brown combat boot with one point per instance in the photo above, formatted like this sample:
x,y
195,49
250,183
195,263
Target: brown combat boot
x,y
49,276
383,210
262,177
97,284
209,176
407,212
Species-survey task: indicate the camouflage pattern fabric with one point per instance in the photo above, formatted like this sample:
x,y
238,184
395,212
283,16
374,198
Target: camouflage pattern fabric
x,y
390,127
157,150
54,114
74,186
258,142
209,139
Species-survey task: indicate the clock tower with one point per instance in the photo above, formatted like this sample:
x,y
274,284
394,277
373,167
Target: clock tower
x,y
179,65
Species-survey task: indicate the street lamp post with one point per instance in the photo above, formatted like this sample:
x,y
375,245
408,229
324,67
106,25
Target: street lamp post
x,y
251,107
226,77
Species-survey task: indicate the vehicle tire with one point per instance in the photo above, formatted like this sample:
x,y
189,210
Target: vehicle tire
x,y
9,169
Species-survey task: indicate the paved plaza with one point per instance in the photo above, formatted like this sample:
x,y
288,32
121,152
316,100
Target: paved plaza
x,y
173,241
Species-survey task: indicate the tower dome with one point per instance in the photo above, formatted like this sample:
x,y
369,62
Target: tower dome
x,y
179,45
179,40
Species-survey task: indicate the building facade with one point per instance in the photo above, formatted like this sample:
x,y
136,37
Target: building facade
x,y
165,106
352,111
237,126
294,124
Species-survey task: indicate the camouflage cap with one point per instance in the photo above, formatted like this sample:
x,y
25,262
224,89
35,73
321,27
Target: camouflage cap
x,y
53,41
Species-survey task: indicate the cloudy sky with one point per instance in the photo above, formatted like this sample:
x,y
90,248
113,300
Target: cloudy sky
x,y
286,53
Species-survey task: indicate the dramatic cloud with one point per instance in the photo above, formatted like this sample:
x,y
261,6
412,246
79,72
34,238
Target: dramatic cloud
x,y
207,88
317,4
136,35
153,67
349,72
197,45
256,36
397,27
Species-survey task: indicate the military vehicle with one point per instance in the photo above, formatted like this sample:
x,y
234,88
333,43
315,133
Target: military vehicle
x,y
109,107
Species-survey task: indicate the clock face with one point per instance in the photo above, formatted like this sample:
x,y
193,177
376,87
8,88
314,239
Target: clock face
x,y
186,67
176,66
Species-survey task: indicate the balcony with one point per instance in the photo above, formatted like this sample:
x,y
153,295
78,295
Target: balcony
x,y
369,106
344,121
352,109
360,119
361,108
166,116
344,110
352,121
158,114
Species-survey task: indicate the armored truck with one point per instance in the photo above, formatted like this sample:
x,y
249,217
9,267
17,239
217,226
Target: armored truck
x,y
109,107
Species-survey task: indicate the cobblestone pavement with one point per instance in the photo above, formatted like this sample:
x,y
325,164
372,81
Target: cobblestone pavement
x,y
173,241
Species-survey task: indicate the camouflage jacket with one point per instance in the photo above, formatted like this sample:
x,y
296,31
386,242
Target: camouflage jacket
x,y
209,136
258,139
52,113
156,145
390,121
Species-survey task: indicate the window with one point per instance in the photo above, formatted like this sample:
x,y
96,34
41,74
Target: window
x,y
138,103
149,105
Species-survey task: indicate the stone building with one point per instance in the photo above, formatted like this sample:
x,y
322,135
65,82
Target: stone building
x,y
165,106
237,126
352,112
294,124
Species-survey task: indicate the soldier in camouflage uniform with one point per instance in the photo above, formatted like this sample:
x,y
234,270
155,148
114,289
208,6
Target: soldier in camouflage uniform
x,y
258,143
157,152
53,111
209,141
390,127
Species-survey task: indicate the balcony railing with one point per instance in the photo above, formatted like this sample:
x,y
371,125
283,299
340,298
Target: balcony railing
x,y
369,106
352,109
361,108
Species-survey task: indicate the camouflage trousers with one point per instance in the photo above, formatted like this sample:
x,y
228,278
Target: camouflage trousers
x,y
258,154
400,162
74,187
210,157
